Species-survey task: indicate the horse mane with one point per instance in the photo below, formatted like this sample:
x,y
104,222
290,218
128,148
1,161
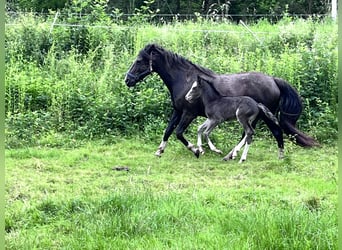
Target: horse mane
x,y
208,85
177,60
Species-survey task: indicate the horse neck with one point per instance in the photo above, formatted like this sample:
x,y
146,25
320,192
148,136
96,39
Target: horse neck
x,y
172,76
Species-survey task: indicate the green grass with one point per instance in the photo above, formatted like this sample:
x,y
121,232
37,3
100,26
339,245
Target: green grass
x,y
71,198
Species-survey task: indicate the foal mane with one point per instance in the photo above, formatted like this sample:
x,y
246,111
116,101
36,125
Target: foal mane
x,y
208,85
173,59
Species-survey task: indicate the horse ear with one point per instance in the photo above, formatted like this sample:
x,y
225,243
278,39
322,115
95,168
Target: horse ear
x,y
151,48
199,80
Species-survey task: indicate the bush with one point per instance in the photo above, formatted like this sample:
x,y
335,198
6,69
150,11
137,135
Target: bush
x,y
72,79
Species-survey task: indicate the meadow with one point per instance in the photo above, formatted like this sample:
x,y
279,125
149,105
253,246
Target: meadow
x,y
71,121
74,198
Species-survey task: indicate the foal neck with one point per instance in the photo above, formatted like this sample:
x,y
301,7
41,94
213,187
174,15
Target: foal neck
x,y
209,93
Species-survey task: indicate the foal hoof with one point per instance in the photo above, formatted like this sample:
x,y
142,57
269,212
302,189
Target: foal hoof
x,y
227,158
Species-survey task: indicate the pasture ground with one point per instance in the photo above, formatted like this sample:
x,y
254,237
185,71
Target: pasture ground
x,y
73,198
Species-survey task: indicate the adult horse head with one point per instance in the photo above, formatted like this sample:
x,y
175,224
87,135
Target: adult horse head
x,y
141,67
178,74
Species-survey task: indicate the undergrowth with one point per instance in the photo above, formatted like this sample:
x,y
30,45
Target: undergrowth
x,y
70,79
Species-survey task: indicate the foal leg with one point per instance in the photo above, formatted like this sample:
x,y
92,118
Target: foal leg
x,y
175,118
245,150
200,130
211,125
249,134
233,153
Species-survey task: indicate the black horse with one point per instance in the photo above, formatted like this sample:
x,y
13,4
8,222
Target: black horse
x,y
179,73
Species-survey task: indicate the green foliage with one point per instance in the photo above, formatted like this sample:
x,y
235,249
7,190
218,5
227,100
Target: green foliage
x,y
73,76
35,5
174,7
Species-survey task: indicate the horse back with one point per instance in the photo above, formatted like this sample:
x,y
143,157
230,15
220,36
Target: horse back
x,y
262,88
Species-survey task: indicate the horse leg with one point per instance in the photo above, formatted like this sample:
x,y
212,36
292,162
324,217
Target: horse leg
x,y
175,118
245,121
233,153
249,134
211,125
200,130
185,121
244,154
278,135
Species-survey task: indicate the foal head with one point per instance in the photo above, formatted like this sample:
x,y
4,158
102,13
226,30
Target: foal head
x,y
195,92
196,89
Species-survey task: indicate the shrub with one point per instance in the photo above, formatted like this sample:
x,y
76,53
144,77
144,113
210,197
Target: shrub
x,y
72,79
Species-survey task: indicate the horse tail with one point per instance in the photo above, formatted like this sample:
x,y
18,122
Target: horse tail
x,y
268,113
290,108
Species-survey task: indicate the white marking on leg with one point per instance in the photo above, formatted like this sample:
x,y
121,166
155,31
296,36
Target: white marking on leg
x,y
161,148
193,149
244,154
281,153
211,124
238,147
199,137
212,147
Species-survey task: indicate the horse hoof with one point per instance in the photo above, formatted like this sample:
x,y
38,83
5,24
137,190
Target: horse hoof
x,y
281,156
158,153
197,153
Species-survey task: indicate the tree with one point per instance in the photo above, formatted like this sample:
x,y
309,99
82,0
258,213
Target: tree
x,y
232,7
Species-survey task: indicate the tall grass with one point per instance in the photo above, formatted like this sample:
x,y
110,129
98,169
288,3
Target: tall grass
x,y
150,221
71,80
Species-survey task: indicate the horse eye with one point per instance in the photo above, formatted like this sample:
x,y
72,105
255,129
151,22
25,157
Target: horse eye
x,y
140,61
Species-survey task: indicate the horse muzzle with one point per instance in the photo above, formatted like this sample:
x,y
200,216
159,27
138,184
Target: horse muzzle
x,y
189,99
131,79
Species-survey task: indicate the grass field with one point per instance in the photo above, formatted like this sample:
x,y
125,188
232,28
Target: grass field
x,y
67,107
71,198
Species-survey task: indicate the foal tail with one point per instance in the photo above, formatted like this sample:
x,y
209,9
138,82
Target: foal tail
x,y
290,107
268,113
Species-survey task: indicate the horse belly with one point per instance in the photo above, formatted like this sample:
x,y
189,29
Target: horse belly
x,y
221,111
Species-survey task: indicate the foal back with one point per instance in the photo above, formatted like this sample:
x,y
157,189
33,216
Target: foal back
x,y
243,108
